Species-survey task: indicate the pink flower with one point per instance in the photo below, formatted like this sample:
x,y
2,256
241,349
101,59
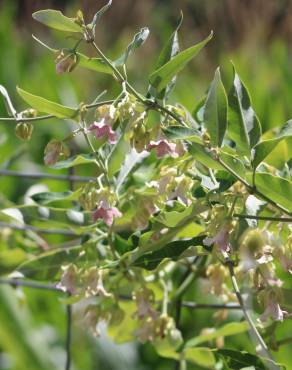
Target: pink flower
x,y
163,147
274,311
221,239
106,214
103,130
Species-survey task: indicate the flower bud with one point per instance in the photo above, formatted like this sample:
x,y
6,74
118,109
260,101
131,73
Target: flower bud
x,y
253,241
66,63
54,150
29,113
139,138
24,130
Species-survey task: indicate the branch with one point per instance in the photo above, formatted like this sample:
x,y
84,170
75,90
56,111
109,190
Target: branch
x,y
37,229
50,116
264,218
46,176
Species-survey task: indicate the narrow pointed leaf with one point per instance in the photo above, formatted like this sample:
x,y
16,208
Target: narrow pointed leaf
x,y
163,75
47,106
55,19
49,197
117,156
76,160
215,111
170,50
243,125
99,14
232,328
182,133
137,41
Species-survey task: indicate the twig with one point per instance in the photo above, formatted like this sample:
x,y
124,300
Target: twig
x,y
46,176
264,218
50,116
37,229
255,334
68,337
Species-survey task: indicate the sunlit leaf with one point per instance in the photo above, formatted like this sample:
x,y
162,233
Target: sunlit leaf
x,y
137,41
47,106
215,111
243,125
163,75
55,19
232,328
202,356
76,160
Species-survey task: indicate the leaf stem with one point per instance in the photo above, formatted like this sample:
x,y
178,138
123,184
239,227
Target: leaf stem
x,y
50,116
147,102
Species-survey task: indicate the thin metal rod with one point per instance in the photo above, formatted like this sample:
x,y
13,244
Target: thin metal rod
x,y
37,229
46,176
211,306
68,337
264,218
30,284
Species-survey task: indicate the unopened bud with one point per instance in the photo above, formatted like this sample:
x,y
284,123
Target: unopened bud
x,y
24,130
66,63
29,113
54,150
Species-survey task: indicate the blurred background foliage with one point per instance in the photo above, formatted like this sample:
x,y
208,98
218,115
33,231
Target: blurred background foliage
x,y
255,34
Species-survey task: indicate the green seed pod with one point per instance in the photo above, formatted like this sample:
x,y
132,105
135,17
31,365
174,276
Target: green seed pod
x,y
24,130
139,138
66,62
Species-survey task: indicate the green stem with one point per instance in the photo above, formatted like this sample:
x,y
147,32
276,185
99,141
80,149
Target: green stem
x,y
149,103
50,116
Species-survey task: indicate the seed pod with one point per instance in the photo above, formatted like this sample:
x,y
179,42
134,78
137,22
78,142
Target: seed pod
x,y
53,151
140,138
23,130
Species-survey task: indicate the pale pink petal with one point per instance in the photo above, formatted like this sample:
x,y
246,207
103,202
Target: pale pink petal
x,y
163,148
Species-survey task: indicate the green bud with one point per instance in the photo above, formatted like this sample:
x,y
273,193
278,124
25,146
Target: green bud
x,y
24,130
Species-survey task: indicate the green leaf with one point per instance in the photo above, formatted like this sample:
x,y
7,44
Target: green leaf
x,y
170,50
137,41
264,148
232,328
171,250
76,160
55,19
49,197
243,125
215,111
47,106
202,356
94,64
99,14
9,106
274,187
182,133
117,156
10,259
47,265
236,360
163,75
